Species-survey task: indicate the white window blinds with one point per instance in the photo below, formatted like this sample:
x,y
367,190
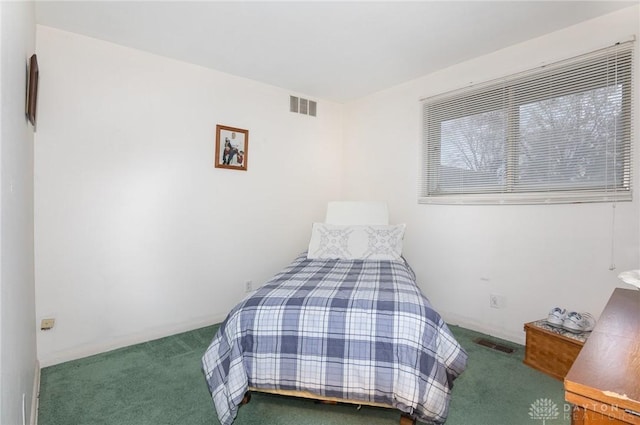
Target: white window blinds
x,y
561,133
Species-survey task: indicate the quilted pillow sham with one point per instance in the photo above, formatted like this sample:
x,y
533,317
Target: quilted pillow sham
x,y
356,242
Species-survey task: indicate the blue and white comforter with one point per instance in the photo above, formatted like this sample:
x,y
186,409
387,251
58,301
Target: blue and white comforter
x,y
355,330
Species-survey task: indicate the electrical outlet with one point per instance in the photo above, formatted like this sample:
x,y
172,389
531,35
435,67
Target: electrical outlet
x,y
47,324
497,301
493,301
248,286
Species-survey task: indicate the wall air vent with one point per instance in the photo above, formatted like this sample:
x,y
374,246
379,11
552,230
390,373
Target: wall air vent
x,y
293,104
303,106
313,106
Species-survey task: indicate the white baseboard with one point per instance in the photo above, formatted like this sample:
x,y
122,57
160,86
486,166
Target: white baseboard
x,y
35,395
151,334
125,341
474,325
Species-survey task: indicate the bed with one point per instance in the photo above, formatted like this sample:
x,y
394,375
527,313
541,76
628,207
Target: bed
x,y
344,322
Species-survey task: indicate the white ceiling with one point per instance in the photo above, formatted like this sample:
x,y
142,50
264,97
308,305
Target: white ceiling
x,y
331,50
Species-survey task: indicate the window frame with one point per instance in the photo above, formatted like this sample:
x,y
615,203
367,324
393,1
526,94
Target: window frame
x,y
499,95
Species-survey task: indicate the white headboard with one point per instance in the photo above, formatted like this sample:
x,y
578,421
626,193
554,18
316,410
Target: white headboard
x,y
353,212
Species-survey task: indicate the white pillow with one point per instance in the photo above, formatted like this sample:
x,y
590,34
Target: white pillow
x,y
356,242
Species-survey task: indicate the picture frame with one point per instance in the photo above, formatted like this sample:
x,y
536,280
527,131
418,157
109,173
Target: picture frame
x,y
32,89
232,148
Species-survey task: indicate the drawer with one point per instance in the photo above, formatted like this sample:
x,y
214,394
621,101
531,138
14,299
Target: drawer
x,y
581,416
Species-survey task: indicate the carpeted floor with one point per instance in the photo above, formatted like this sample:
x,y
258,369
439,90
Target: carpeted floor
x,y
160,382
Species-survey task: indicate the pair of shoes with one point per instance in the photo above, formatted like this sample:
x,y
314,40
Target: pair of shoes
x,y
573,322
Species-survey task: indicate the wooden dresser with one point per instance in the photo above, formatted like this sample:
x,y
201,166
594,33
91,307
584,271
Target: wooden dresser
x,y
604,382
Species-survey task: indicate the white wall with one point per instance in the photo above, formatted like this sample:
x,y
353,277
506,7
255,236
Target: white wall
x,y
537,257
17,303
137,234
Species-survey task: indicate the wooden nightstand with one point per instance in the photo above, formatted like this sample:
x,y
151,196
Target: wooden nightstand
x,y
551,350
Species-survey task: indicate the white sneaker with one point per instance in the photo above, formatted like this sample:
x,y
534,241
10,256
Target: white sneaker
x,y
579,322
556,316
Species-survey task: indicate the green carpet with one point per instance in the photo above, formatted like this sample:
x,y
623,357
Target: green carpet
x,y
160,382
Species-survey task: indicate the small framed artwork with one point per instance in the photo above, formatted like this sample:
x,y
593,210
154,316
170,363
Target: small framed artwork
x,y
32,90
232,148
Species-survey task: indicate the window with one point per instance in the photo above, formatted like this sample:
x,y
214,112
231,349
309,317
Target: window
x,y
557,134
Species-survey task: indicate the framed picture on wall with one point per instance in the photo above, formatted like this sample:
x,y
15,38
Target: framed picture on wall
x,y
32,89
232,147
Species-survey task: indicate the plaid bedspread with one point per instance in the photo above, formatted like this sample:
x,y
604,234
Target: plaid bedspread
x,y
357,330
